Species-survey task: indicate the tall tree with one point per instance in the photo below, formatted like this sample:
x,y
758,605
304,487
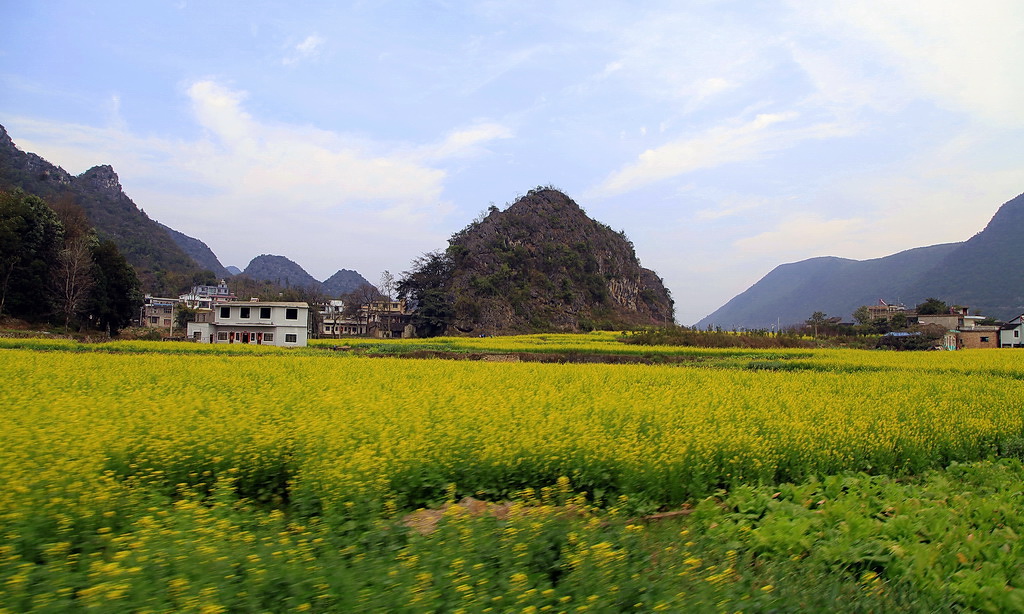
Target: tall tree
x,y
115,297
426,286
862,315
72,276
359,304
30,239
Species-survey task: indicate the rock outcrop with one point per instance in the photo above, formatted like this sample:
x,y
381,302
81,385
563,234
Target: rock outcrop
x,y
544,265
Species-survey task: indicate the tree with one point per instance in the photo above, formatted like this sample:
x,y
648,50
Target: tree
x,y
73,276
862,315
932,306
359,303
426,286
183,314
115,297
899,320
818,318
31,237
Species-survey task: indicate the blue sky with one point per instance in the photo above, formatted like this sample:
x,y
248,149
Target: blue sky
x,y
724,137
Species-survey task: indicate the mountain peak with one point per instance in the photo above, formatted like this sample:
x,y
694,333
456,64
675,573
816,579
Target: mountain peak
x,y
103,177
543,264
281,271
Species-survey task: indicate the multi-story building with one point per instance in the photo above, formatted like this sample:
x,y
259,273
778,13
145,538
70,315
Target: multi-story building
x,y
283,324
382,318
203,297
157,312
886,311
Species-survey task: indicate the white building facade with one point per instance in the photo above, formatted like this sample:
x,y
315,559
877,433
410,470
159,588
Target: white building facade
x,y
283,324
1012,333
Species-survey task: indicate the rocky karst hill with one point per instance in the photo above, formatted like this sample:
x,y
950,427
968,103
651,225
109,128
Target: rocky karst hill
x,y
280,271
542,264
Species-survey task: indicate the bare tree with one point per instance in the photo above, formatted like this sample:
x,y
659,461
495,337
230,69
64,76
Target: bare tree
x,y
73,276
387,285
359,303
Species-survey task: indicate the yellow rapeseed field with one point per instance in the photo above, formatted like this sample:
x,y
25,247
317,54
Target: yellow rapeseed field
x,y
87,436
334,429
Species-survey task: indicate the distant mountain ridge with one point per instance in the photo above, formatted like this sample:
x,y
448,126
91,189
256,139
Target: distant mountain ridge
x,y
985,273
286,273
280,271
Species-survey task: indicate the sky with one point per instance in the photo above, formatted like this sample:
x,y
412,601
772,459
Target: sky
x,y
724,137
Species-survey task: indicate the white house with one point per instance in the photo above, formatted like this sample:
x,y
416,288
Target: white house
x,y
203,297
1011,335
284,324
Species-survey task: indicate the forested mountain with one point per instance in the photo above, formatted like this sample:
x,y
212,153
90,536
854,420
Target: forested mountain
x,y
985,273
166,260
199,252
162,266
542,264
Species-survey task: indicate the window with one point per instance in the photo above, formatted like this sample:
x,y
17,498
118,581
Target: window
x,y
984,339
1016,332
243,312
197,335
154,320
268,336
291,314
222,336
264,313
225,312
289,338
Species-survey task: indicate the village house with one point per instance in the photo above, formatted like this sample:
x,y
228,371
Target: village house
x,y
384,319
1011,334
157,312
284,324
203,297
333,322
964,330
886,311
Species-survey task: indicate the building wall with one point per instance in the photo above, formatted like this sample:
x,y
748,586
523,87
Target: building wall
x,y
1012,337
978,339
948,320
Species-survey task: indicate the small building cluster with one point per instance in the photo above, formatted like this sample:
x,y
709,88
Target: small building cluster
x,y
221,318
158,311
383,318
963,331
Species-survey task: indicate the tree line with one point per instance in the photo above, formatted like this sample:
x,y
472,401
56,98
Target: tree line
x,y
55,269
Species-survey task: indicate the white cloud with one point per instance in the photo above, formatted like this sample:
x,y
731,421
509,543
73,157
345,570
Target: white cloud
x,y
964,56
467,141
715,147
257,186
308,49
730,206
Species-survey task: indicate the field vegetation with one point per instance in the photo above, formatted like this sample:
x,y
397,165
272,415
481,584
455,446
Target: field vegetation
x,y
146,476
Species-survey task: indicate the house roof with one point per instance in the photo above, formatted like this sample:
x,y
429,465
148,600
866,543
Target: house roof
x,y
261,304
